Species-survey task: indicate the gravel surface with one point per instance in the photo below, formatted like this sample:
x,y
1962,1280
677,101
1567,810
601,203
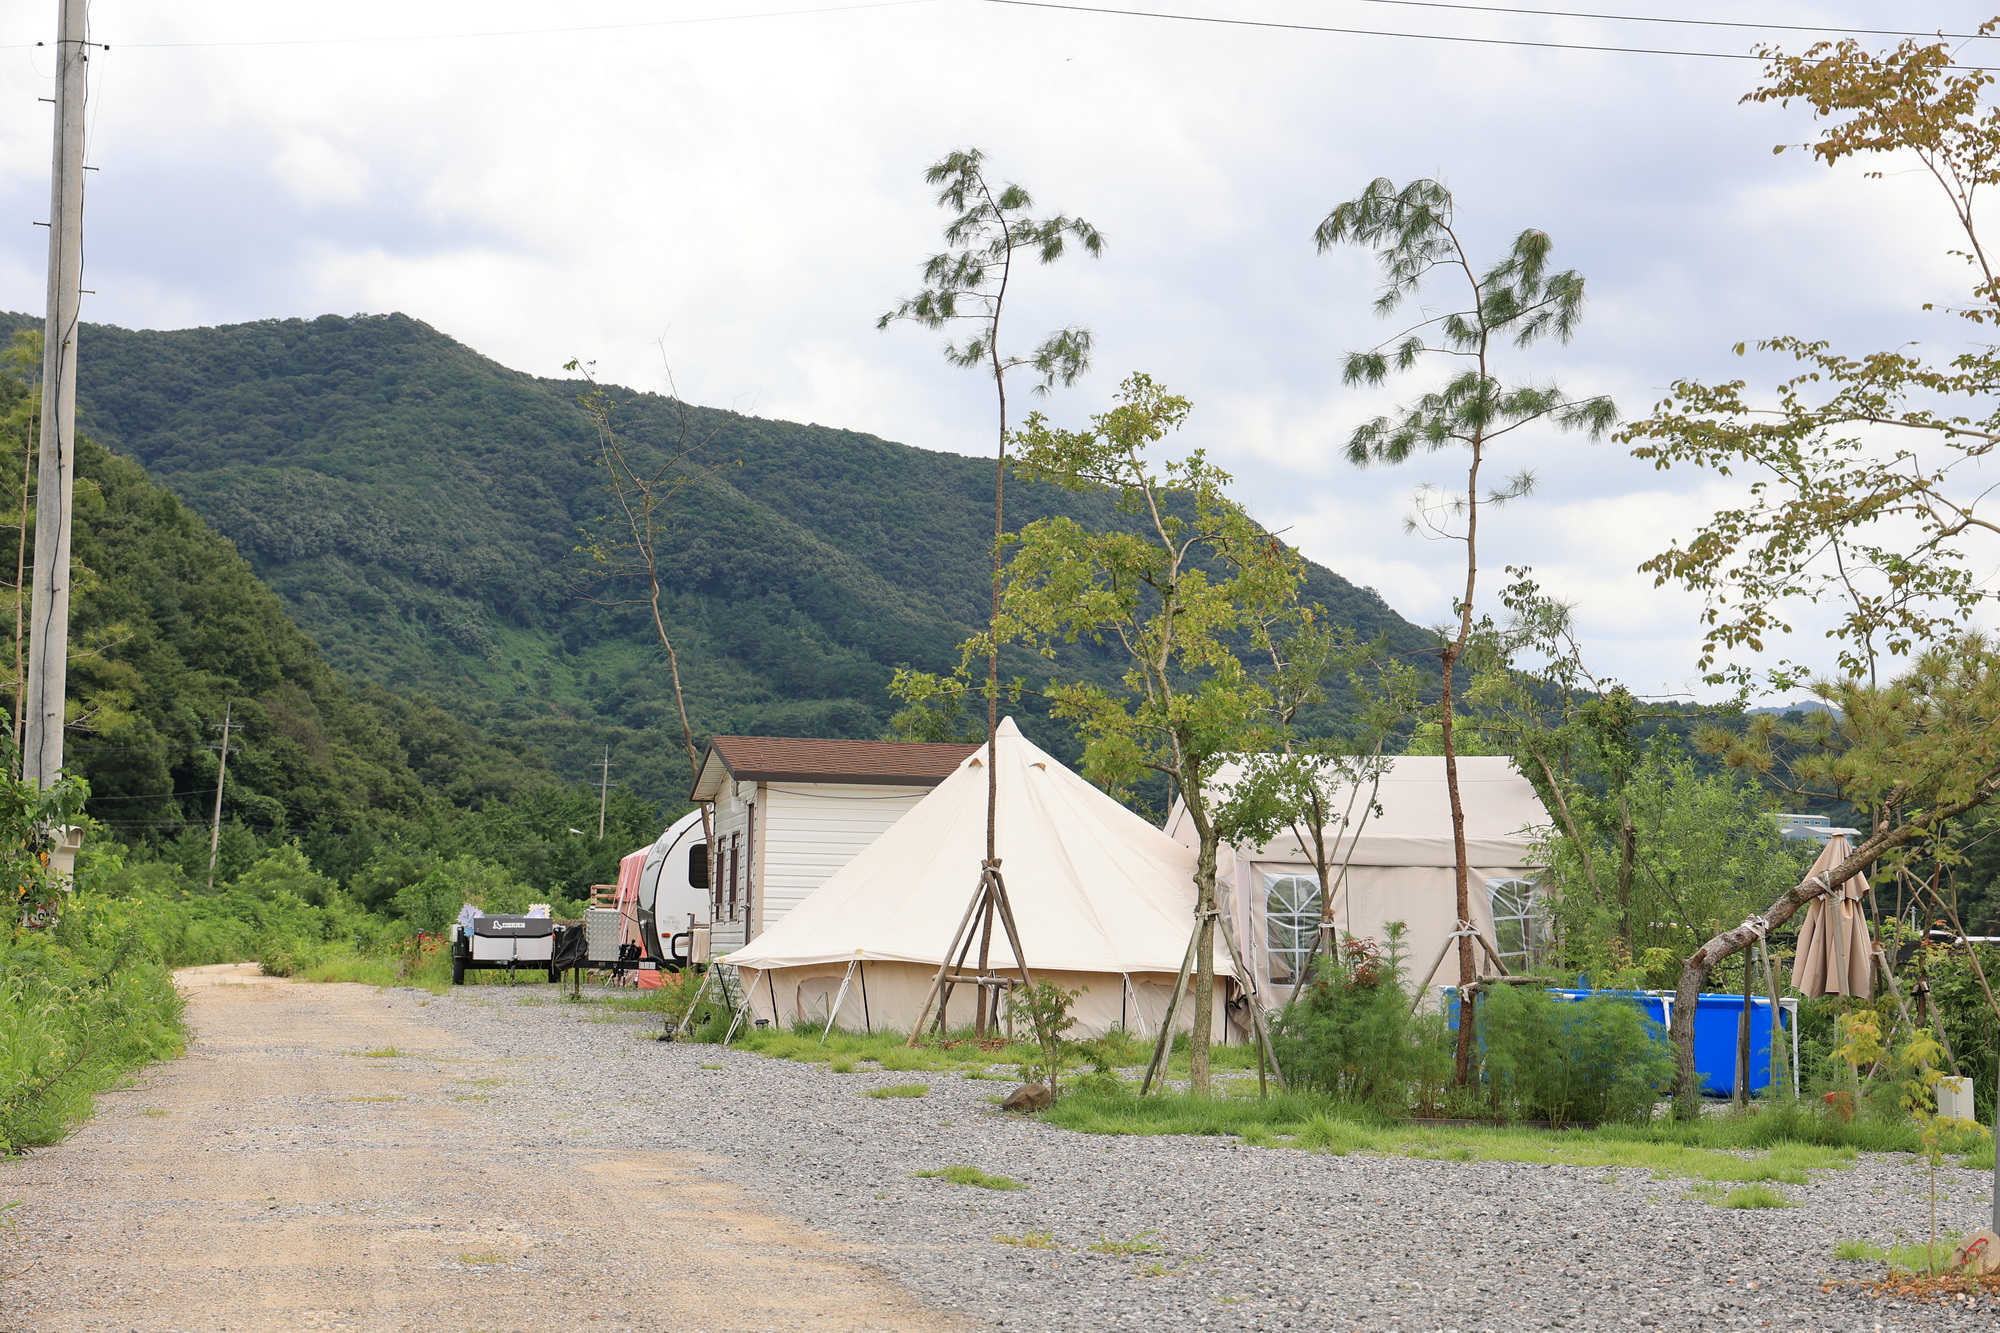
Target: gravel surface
x,y
1248,1238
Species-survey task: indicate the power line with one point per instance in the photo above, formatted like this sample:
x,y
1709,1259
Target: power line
x,y
523,32
1408,36
1696,23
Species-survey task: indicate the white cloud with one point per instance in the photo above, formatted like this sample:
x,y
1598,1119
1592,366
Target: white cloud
x,y
747,194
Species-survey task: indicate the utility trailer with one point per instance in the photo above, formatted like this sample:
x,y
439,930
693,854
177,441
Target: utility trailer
x,y
504,943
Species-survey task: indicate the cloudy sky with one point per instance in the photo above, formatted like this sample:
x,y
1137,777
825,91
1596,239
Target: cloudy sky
x,y
737,191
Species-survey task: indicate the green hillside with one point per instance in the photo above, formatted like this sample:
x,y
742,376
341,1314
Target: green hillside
x,y
170,627
417,509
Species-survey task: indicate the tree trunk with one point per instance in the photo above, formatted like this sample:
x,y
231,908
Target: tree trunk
x,y
1204,962
1695,971
1467,966
1628,861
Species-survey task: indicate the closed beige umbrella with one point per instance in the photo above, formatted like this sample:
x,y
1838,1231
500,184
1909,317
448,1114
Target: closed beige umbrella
x,y
1835,956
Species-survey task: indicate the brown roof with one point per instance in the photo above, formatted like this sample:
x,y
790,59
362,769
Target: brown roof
x,y
800,759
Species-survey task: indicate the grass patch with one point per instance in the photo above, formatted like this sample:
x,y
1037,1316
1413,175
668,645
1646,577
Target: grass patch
x,y
1901,1259
1031,1240
483,1257
1138,1244
900,1090
154,1111
1771,1146
845,1050
970,1175
364,969
384,1053
1756,1196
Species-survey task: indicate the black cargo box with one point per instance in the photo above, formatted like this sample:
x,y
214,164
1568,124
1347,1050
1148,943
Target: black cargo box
x,y
514,927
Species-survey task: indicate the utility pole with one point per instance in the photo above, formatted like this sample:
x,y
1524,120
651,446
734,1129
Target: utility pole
x,y
603,793
221,776
48,656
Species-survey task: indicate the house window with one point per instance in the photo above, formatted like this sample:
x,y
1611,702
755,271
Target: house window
x,y
735,865
1521,928
1291,916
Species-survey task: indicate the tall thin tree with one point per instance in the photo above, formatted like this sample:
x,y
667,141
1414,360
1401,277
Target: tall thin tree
x,y
966,288
1518,301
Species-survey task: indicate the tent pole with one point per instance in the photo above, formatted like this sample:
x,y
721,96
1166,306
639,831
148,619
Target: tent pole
x,y
833,1015
1164,1046
693,1004
944,964
867,1023
1259,1033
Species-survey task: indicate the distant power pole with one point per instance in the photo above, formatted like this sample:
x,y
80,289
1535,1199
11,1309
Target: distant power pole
x,y
221,776
603,793
48,642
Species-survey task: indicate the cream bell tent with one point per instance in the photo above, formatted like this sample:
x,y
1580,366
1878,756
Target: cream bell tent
x,y
1400,866
1104,902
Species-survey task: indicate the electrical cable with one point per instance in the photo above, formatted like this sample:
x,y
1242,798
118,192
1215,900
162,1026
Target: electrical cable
x,y
1696,23
1411,36
527,32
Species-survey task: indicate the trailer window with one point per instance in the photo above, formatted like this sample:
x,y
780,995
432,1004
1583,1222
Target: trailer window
x,y
698,866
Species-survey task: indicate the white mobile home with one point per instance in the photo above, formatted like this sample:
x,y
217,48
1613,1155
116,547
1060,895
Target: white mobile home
x,y
789,812
1399,866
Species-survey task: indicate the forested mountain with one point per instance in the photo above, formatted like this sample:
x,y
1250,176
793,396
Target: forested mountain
x,y
170,627
418,509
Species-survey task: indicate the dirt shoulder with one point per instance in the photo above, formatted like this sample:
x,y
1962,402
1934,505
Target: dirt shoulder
x,y
282,1177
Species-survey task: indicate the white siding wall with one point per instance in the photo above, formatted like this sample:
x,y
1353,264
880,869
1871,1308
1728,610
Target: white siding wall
x,y
808,830
732,809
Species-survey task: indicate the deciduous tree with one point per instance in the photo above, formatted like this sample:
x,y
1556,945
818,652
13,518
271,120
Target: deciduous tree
x,y
1515,302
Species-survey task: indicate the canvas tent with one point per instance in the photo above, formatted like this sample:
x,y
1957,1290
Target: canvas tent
x,y
1104,902
1400,866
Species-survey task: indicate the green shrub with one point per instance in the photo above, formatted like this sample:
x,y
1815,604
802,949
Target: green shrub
x,y
1587,1061
1351,1034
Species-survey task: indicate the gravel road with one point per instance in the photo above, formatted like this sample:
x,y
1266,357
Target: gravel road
x,y
769,1194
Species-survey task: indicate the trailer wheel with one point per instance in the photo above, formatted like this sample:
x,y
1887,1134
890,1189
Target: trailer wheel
x,y
458,971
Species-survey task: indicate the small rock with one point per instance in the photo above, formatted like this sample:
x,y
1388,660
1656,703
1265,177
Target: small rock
x,y
1979,1255
1028,1097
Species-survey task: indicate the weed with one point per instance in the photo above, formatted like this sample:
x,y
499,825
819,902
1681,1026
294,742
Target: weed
x,y
1136,1245
841,1066
1031,1240
483,1257
383,1053
470,1097
1859,1249
154,1111
970,1175
711,1066
900,1090
1756,1196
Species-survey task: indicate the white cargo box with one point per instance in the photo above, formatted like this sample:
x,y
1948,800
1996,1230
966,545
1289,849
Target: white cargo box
x,y
520,939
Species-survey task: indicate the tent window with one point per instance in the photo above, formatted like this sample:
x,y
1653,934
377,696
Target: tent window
x,y
1291,915
1522,931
